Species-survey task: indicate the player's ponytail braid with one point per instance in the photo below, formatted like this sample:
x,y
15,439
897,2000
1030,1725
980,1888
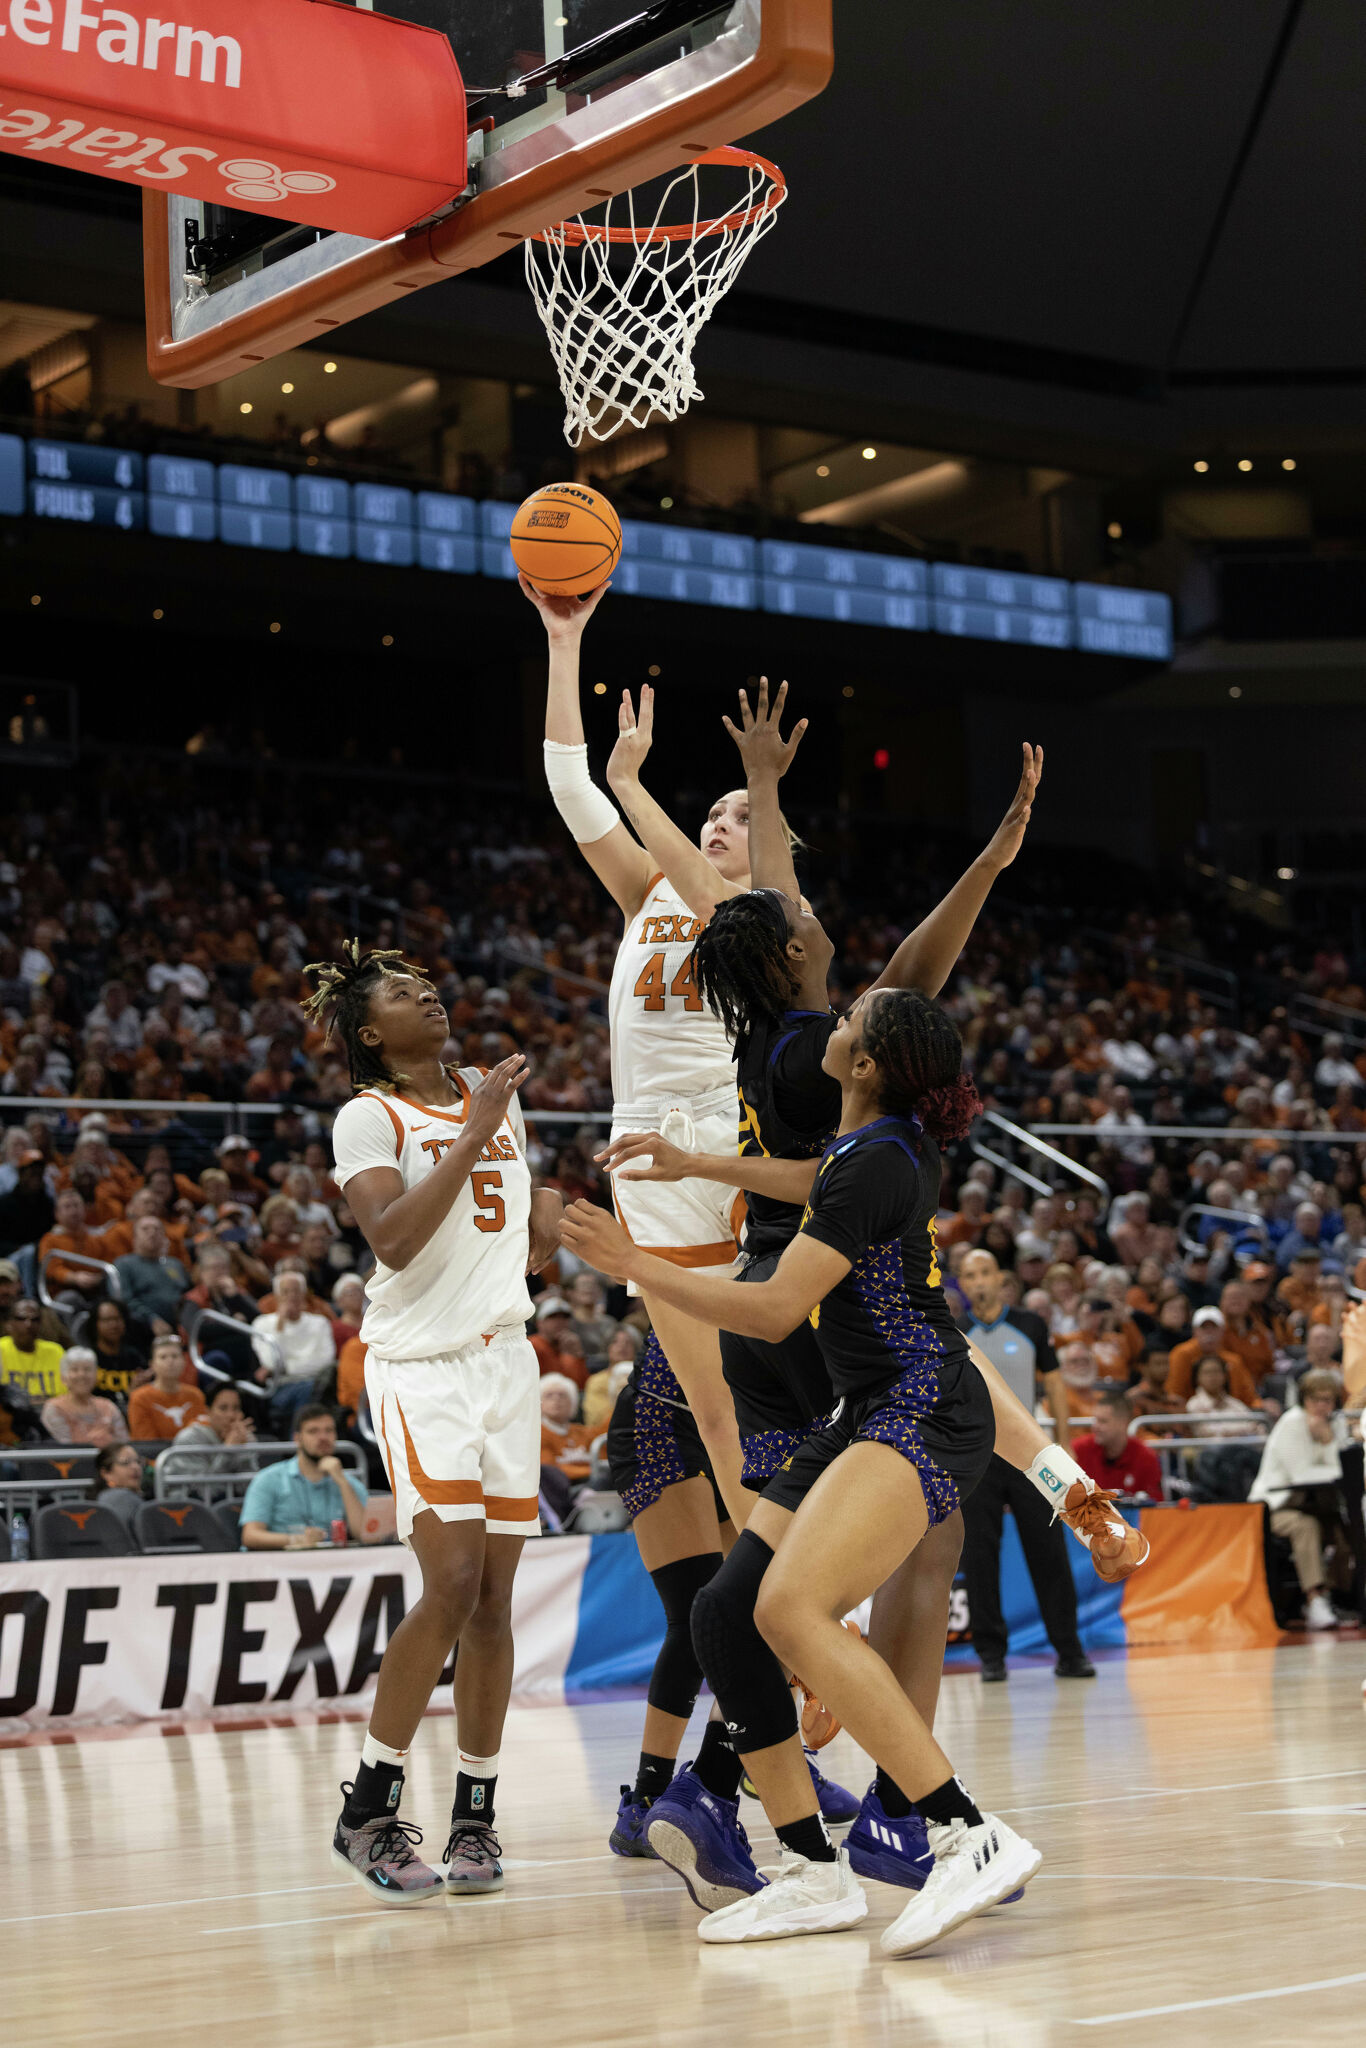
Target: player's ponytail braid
x,y
342,993
740,963
919,1057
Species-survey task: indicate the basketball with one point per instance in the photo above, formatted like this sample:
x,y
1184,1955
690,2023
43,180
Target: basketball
x,y
566,539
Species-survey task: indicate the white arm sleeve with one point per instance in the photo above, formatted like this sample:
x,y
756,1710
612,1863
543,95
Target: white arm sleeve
x,y
586,811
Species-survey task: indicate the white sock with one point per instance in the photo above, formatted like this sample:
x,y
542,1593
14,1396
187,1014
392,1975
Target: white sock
x,y
477,1766
1055,1472
374,1752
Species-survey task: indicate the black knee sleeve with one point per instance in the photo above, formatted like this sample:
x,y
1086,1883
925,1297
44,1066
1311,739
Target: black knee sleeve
x,y
677,1677
740,1668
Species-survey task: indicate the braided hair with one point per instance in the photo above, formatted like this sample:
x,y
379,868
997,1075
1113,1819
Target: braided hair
x,y
740,963
342,994
919,1057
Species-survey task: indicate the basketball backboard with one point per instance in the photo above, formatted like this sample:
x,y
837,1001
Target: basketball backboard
x,y
570,102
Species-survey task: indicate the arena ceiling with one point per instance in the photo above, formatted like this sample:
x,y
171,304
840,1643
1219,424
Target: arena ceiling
x,y
1176,186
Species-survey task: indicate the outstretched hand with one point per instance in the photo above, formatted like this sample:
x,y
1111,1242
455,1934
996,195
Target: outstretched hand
x,y
762,746
489,1101
661,1160
563,617
1009,834
596,1237
634,736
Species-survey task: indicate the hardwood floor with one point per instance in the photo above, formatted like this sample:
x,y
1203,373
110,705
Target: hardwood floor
x,y
1203,1821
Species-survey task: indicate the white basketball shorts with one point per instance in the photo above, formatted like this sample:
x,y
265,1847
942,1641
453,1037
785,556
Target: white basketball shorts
x,y
461,1436
687,1222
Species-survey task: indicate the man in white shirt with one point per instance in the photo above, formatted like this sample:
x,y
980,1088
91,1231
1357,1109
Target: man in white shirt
x,y
1300,1480
1333,1070
293,1347
1122,1116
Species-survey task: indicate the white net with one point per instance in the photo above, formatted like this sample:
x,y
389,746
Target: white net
x,y
622,301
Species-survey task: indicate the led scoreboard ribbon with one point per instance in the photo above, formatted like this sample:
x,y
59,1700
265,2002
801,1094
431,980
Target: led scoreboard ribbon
x,y
181,497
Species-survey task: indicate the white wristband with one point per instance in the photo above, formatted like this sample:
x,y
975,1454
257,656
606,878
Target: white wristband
x,y
586,811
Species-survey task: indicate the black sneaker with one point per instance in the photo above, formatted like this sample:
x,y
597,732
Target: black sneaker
x,y
994,1671
1074,1667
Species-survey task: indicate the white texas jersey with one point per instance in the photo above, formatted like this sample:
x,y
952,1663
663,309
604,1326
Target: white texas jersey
x,y
665,1041
469,1279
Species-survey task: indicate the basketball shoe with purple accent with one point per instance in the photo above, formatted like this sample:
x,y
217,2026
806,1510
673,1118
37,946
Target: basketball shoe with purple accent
x,y
894,1850
837,1804
700,1837
381,1855
628,1836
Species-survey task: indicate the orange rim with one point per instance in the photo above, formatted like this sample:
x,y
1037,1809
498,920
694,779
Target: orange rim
x,y
575,233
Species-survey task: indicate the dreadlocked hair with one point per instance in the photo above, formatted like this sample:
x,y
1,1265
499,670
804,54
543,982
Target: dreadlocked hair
x,y
919,1057
740,963
341,995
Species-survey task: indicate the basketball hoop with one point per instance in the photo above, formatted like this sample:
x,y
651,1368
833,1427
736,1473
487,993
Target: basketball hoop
x,y
623,341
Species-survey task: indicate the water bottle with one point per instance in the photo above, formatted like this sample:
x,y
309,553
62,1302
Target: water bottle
x,y
18,1539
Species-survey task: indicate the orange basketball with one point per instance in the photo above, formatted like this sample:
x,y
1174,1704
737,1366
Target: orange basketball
x,y
566,539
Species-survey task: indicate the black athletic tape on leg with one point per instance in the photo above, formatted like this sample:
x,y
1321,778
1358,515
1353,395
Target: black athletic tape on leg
x,y
677,1676
740,1668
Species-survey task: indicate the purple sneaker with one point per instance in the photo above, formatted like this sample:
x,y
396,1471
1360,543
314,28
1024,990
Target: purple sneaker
x,y
700,1837
837,1805
380,1855
628,1836
894,1851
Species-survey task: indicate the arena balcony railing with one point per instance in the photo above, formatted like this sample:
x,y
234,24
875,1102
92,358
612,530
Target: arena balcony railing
x,y
147,1120
104,1266
193,1471
1031,1141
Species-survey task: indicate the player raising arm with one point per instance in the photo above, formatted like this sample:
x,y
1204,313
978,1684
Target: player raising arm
x,y
912,1434
672,1437
433,1162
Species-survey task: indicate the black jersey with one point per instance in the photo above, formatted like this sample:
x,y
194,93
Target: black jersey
x,y
788,1109
875,1200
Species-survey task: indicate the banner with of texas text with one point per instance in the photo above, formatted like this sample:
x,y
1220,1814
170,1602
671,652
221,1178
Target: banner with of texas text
x,y
132,1638
141,1638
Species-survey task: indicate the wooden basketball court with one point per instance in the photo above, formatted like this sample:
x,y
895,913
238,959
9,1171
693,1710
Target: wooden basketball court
x,y
1203,1820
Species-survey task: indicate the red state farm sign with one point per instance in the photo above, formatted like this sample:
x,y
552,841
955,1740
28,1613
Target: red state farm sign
x,y
336,117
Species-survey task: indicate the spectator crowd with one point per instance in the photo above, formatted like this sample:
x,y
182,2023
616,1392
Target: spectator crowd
x,y
152,963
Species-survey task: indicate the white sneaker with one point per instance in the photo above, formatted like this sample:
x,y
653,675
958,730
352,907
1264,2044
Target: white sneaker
x,y
1319,1613
974,1868
800,1898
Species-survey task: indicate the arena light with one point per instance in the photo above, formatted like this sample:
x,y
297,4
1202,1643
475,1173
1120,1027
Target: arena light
x,y
286,388
1245,465
654,668
1288,463
666,504
870,454
329,369
387,641
1115,530
599,689
1200,468
822,469
245,406
848,690
275,625
35,600
1235,689
158,613
1286,874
